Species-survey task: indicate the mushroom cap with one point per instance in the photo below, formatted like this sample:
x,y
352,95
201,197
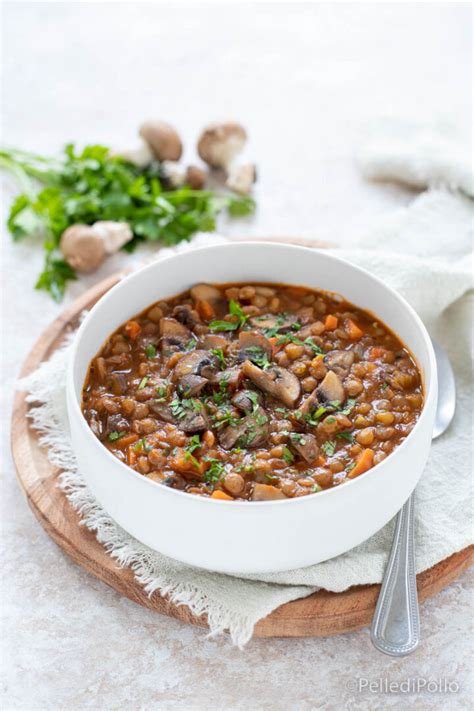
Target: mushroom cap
x,y
253,343
219,143
340,362
241,178
195,177
163,140
276,381
139,154
197,363
331,389
82,248
113,234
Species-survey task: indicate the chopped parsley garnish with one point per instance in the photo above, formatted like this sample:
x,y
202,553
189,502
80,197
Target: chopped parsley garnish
x,y
224,417
280,321
271,477
346,435
297,437
235,310
330,419
258,356
191,344
192,459
348,407
315,488
287,455
161,391
194,444
180,408
114,436
329,447
289,338
142,446
150,351
214,472
349,467
143,382
219,353
253,397
282,410
221,395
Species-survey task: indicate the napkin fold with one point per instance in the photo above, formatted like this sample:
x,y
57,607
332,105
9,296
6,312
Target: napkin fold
x,y
423,251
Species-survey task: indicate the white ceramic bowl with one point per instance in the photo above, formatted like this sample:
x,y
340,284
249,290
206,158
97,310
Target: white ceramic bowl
x,y
240,536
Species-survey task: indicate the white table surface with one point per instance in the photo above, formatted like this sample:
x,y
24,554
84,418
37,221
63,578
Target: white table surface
x,y
305,80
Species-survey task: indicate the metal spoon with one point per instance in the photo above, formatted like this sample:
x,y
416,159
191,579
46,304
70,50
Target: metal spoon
x,y
396,623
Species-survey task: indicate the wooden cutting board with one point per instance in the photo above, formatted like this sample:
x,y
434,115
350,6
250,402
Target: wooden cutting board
x,y
320,614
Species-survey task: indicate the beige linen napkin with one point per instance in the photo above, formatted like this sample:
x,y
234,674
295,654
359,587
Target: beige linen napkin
x,y
423,251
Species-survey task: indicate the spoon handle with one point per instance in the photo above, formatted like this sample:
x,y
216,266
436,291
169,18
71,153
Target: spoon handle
x,y
396,623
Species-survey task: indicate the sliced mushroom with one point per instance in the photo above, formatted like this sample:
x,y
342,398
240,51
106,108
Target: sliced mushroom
x,y
278,322
231,376
245,400
174,335
191,385
194,421
198,362
185,314
276,381
249,432
211,340
307,406
162,410
252,344
219,143
240,178
116,423
340,362
331,389
266,492
305,445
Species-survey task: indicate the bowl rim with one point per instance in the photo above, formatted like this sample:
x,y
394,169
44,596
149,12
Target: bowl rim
x,y
124,283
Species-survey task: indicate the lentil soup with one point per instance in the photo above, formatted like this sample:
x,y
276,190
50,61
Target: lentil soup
x,y
252,391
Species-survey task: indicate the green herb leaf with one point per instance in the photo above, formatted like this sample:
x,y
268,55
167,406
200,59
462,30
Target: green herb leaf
x,y
346,435
150,351
114,436
219,353
287,455
143,383
329,447
214,472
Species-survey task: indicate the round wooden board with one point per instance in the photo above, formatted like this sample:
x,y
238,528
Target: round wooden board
x,y
320,614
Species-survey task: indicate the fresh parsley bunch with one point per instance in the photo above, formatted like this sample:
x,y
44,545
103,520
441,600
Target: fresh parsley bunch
x,y
90,185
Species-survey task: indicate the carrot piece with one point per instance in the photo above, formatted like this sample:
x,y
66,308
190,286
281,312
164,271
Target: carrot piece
x,y
353,330
375,352
364,462
321,461
131,455
205,310
330,322
275,345
123,442
183,461
132,329
218,494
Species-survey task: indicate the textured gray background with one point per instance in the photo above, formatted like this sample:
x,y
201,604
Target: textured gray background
x,y
305,80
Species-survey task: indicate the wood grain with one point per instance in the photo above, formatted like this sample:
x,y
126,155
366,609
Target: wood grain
x,y
321,614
